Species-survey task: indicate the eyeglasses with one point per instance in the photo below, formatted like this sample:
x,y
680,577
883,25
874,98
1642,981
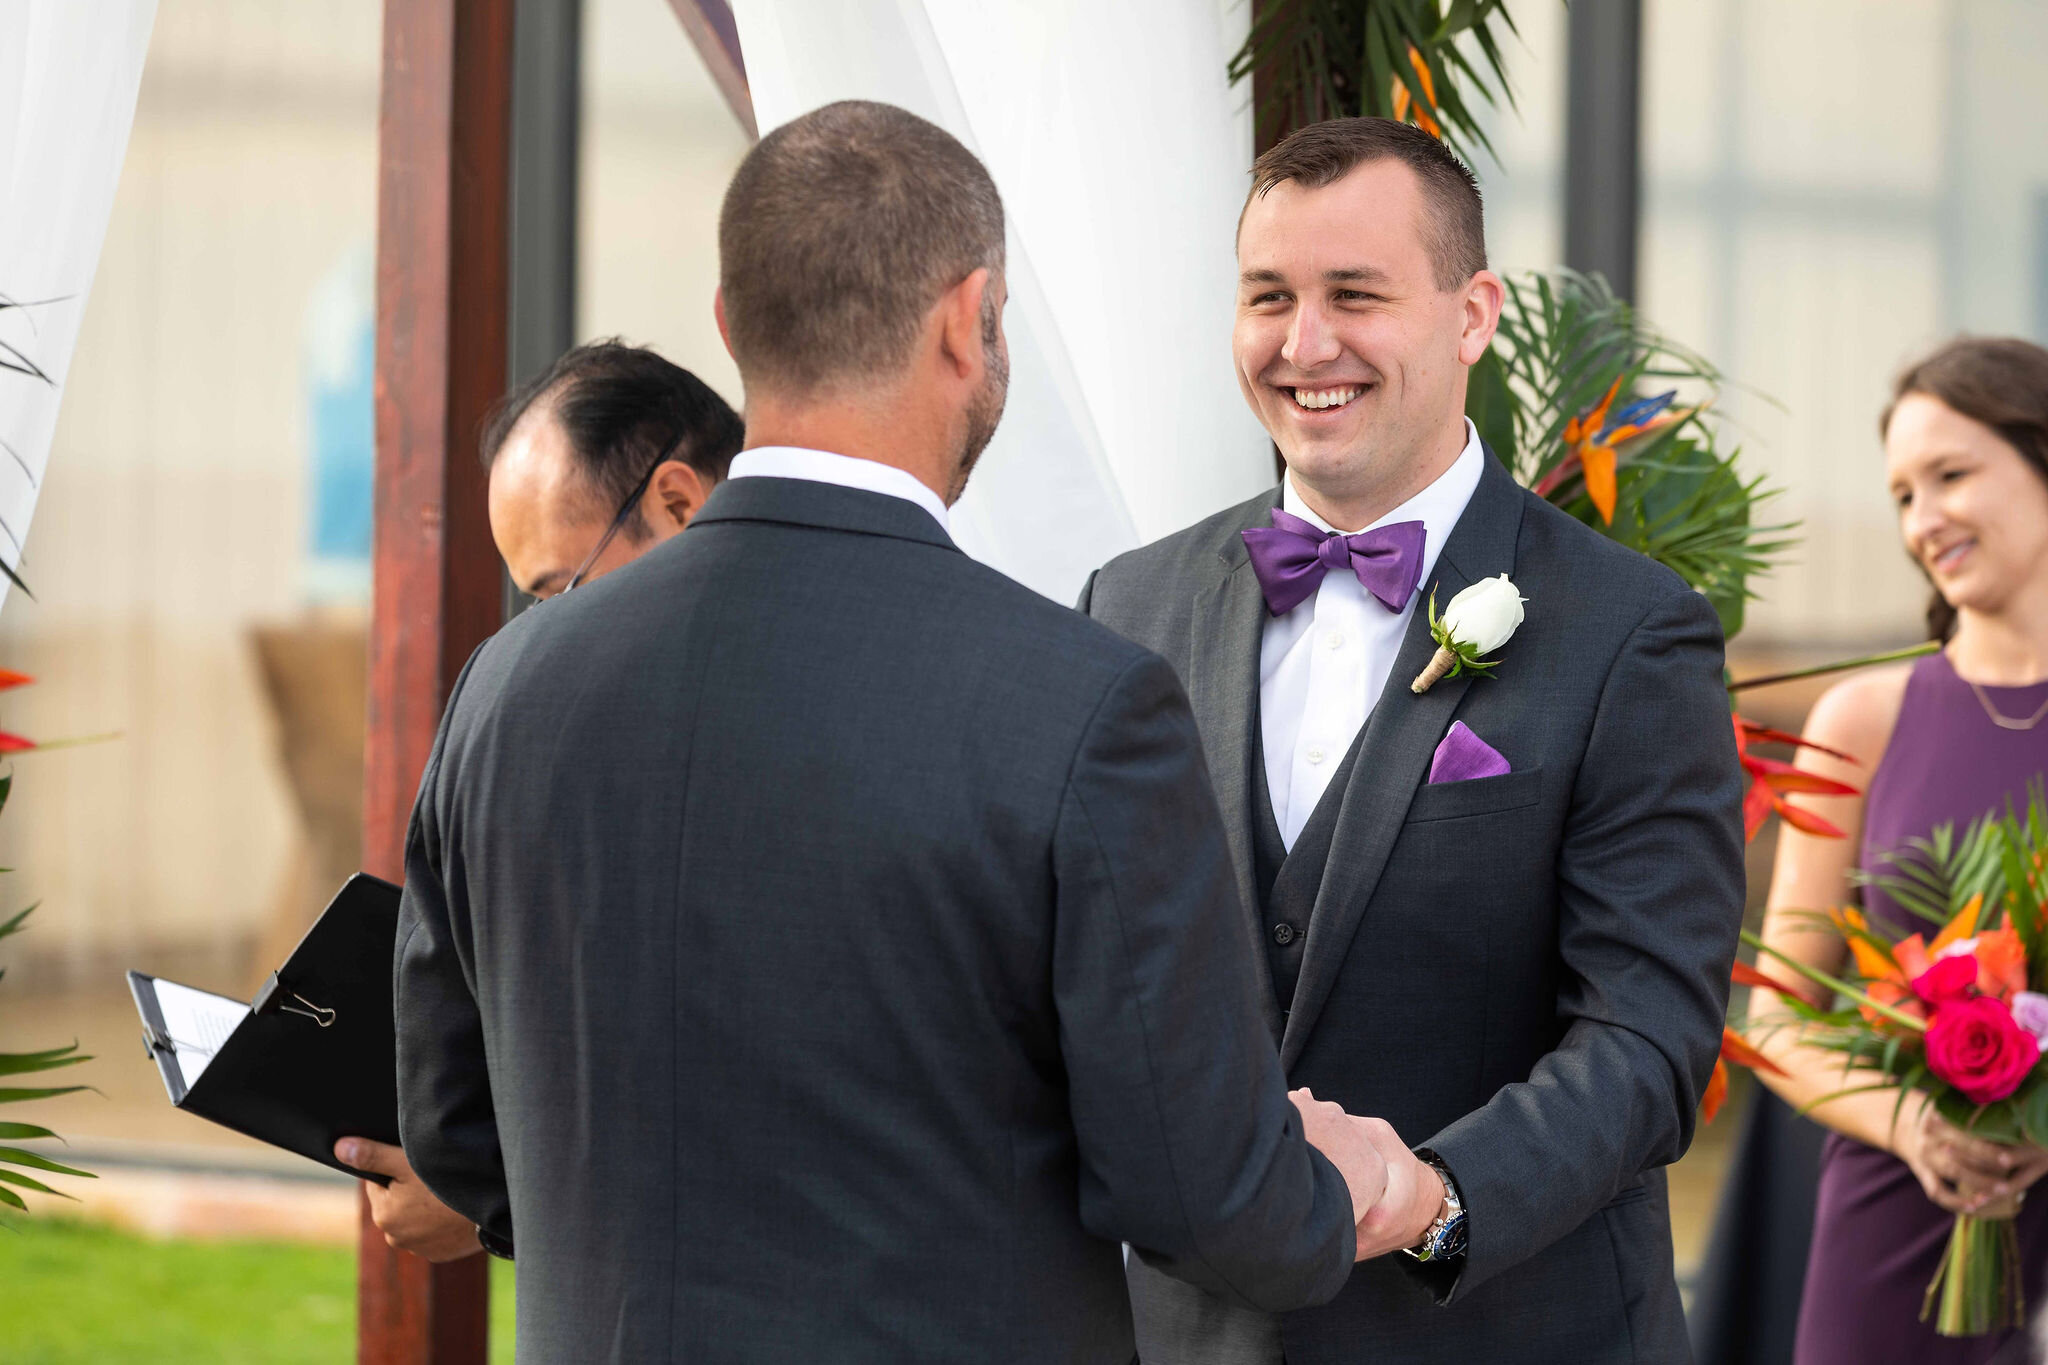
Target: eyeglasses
x,y
619,517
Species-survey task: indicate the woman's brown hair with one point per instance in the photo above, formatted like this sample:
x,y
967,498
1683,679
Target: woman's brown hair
x,y
2001,382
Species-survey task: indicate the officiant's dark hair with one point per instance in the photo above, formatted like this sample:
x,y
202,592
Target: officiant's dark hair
x,y
623,408
1324,153
839,232
2001,382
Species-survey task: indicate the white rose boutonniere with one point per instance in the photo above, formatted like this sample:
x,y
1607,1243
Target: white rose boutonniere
x,y
1478,621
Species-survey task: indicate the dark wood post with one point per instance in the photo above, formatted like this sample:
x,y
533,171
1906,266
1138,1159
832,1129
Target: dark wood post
x,y
442,223
1603,140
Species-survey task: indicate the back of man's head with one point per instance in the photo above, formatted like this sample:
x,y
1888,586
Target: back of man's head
x,y
622,410
840,231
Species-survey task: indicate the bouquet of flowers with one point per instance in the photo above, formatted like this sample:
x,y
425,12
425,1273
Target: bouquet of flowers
x,y
1957,1011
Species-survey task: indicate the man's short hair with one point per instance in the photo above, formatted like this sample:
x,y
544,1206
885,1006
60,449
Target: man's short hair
x,y
840,231
1454,226
624,409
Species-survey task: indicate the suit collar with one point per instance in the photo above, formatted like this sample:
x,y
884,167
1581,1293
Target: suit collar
x,y
806,502
1395,748
1229,539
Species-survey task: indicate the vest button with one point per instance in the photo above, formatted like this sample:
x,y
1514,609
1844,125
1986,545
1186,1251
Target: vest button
x,y
1283,934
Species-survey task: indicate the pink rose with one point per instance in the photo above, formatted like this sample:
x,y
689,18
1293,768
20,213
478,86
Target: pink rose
x,y
1952,978
1974,1044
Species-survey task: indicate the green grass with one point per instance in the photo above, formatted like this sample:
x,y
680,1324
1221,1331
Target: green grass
x,y
72,1294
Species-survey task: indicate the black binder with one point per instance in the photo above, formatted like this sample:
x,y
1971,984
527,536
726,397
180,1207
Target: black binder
x,y
315,1057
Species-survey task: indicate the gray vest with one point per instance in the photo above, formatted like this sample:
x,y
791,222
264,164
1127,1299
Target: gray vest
x,y
1288,879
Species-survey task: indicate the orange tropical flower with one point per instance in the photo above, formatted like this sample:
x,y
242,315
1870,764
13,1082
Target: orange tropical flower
x,y
2001,963
1425,107
1771,781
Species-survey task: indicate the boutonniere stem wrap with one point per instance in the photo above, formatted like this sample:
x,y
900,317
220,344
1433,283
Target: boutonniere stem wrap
x,y
1478,621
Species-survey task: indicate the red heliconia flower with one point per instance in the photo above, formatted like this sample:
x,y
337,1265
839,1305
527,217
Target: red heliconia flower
x,y
1771,781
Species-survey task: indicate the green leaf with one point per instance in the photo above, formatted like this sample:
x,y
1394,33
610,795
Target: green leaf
x,y
13,1096
11,1199
18,1156
13,926
15,1063
22,1131
2034,1115
29,1183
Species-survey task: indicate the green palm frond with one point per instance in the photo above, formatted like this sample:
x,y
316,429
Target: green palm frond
x,y
1933,878
1565,344
1322,59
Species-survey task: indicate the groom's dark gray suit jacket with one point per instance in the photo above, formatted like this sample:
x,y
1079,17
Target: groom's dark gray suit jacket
x,y
1525,974
820,948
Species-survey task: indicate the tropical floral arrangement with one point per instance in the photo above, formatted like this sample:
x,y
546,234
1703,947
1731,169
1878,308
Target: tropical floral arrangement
x,y
1957,1011
14,1161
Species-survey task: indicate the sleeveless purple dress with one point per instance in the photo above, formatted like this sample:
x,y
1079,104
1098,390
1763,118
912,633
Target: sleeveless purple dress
x,y
1877,1238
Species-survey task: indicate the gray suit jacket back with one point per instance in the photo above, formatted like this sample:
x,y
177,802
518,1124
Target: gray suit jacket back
x,y
1525,974
818,947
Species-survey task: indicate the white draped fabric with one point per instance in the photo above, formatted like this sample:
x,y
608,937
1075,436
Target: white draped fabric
x,y
1121,152
69,73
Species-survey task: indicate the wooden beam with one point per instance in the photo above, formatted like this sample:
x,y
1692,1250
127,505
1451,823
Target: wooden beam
x,y
716,36
442,222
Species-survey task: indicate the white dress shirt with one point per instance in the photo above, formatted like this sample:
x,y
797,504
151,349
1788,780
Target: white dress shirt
x,y
1323,665
822,466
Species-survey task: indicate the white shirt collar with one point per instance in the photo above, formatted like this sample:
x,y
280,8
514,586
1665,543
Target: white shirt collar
x,y
1437,507
847,471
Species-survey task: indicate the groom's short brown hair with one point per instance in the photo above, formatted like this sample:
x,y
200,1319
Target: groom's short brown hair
x,y
839,232
1324,153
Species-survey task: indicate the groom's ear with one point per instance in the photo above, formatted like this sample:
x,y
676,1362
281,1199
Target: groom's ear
x,y
958,314
1484,294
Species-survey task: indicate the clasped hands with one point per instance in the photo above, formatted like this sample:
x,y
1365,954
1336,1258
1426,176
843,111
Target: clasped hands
x,y
1964,1173
1395,1195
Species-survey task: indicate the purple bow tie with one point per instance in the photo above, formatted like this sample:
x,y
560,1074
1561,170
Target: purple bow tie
x,y
1291,557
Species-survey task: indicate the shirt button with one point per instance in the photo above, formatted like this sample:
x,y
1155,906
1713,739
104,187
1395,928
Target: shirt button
x,y
1315,755
1334,640
1283,934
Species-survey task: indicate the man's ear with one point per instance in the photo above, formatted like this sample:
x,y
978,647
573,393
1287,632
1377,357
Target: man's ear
x,y
674,495
958,313
718,312
1484,294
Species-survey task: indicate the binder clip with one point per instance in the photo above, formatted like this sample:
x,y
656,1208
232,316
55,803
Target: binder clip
x,y
154,1043
276,997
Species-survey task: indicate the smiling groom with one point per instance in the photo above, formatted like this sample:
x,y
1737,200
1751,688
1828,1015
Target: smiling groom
x,y
1497,913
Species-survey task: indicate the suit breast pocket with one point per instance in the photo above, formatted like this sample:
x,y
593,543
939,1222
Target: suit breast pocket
x,y
1478,796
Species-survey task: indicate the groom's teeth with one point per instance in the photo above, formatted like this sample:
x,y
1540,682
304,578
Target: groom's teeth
x,y
1327,398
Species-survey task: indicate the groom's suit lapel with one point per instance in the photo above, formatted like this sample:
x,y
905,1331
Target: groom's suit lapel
x,y
1223,688
1395,749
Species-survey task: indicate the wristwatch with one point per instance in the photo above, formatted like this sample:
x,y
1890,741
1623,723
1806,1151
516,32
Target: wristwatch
x,y
1445,1238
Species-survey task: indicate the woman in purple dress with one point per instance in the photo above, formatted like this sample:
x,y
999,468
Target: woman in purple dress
x,y
1941,741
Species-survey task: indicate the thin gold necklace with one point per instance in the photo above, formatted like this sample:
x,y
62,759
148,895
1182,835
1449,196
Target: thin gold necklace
x,y
2002,721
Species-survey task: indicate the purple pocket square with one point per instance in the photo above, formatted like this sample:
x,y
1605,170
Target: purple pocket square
x,y
1463,756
